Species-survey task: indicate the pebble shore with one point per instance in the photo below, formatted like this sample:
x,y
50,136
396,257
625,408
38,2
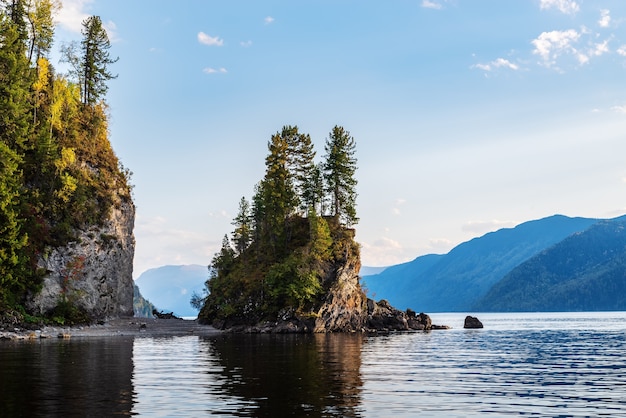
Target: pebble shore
x,y
113,328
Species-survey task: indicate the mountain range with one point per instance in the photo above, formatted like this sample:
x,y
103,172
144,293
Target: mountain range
x,y
550,264
169,288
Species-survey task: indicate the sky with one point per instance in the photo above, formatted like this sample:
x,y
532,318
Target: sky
x,y
468,115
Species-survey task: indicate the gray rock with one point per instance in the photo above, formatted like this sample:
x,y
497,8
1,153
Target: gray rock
x,y
94,273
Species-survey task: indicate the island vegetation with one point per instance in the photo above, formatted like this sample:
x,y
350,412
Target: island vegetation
x,y
58,172
289,241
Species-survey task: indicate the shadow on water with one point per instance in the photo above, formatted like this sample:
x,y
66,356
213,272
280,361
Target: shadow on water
x,y
66,378
291,375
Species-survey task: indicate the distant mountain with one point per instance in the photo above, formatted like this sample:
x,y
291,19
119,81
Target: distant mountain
x,y
584,272
368,271
456,281
170,288
142,308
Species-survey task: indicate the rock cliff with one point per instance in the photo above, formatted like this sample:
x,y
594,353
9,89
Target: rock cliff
x,y
344,308
94,272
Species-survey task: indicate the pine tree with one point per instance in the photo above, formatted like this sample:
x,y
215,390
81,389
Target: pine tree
x,y
90,64
96,59
339,169
14,85
40,17
278,198
301,165
12,239
242,235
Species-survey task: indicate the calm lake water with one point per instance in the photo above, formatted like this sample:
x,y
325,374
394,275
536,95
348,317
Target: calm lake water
x,y
561,364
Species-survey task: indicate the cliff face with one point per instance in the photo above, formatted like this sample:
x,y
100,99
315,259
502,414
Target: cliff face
x,y
93,273
345,305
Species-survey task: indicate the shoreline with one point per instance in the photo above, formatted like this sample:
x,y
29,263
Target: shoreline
x,y
118,327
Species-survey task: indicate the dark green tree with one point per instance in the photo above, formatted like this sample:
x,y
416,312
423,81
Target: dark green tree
x,y
14,86
12,238
95,60
278,197
301,164
242,235
90,64
339,169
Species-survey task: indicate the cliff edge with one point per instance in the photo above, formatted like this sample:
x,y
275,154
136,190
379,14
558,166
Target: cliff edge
x,y
92,273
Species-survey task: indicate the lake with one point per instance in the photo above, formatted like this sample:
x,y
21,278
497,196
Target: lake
x,y
538,364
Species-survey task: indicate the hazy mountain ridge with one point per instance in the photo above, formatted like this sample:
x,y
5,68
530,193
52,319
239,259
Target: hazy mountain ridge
x,y
458,280
169,288
584,272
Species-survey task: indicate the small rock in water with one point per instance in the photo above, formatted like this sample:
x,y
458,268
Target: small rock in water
x,y
471,322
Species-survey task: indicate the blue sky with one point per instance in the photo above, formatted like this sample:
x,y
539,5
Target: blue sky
x,y
469,115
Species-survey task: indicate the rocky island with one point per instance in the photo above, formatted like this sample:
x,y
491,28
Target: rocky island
x,y
292,264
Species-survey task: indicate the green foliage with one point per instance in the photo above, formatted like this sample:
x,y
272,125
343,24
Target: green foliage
x,y
286,249
58,172
66,313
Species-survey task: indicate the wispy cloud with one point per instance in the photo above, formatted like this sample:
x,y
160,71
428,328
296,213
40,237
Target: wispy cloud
x,y
205,39
565,6
245,44
397,204
551,45
269,20
111,29
497,63
482,227
605,18
619,109
428,4
72,14
209,70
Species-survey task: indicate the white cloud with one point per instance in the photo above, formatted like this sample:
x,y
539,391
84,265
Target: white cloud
x,y
72,14
245,44
482,227
268,20
497,63
551,45
183,246
209,70
431,5
111,29
601,48
565,6
605,18
440,245
205,39
619,109
622,50
396,209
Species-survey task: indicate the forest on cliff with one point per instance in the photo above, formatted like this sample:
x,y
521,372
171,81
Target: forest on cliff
x,y
289,241
58,172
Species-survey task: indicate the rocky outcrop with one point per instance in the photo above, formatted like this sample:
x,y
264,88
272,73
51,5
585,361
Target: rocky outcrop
x,y
345,306
471,322
94,272
344,309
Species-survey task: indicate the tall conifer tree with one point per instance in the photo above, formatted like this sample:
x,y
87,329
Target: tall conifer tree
x,y
339,169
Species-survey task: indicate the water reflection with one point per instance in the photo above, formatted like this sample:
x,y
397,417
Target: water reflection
x,y
303,375
66,378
